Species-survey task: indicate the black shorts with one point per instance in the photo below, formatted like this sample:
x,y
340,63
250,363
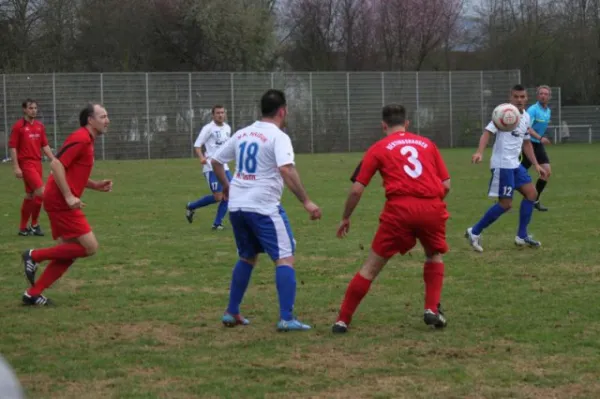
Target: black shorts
x,y
540,155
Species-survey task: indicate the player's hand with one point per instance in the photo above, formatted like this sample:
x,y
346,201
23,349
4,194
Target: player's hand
x,y
545,140
105,186
313,210
74,202
541,171
18,173
226,193
344,228
476,158
203,161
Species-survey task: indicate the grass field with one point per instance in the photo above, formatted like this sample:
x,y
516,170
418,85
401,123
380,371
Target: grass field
x,y
141,319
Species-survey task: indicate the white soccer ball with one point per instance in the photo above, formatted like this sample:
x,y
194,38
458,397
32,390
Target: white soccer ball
x,y
506,117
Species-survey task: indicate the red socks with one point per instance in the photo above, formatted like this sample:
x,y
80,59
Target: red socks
x,y
66,251
433,276
26,210
356,291
53,272
36,207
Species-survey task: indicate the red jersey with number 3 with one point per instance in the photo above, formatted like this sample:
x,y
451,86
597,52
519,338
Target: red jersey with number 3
x,y
410,166
77,157
28,138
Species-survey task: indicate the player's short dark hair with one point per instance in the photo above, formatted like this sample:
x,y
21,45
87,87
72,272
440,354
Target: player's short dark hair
x,y
271,101
28,101
85,114
394,115
216,107
518,87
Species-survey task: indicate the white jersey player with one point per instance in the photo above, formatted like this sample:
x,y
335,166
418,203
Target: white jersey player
x,y
264,162
508,174
212,136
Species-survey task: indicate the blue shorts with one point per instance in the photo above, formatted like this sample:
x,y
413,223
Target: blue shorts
x,y
505,181
213,182
255,233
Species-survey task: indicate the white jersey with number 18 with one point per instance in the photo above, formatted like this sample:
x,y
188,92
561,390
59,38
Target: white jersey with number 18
x,y
259,150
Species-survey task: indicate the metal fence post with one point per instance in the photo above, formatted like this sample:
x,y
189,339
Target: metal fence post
x,y
451,119
312,129
417,94
231,83
4,100
272,81
559,114
590,135
191,112
148,115
102,102
348,108
54,110
481,99
383,89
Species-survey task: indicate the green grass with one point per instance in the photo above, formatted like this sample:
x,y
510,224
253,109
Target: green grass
x,y
141,318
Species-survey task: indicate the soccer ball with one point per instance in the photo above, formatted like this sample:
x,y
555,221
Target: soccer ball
x,y
506,117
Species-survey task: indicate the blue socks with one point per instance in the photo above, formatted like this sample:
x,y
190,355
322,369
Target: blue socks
x,y
490,217
221,212
285,278
204,201
525,217
239,283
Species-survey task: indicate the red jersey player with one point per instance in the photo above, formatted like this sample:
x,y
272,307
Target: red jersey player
x,y
71,171
27,140
416,182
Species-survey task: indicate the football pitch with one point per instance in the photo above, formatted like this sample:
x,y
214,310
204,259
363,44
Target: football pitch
x,y
141,319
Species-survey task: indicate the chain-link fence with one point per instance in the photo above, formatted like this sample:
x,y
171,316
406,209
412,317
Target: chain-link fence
x,y
158,115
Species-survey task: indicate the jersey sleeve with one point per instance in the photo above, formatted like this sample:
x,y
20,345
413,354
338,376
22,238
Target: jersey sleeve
x,y
44,137
367,167
442,170
491,128
70,152
202,137
531,111
226,152
15,137
355,174
284,152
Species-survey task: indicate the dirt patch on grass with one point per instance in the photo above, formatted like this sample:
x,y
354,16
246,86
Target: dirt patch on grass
x,y
166,334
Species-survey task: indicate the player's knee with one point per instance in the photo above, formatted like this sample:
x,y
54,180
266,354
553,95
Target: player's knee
x,y
39,192
250,261
435,257
506,204
218,197
29,196
288,261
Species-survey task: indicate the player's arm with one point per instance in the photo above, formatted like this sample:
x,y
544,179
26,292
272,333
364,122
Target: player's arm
x,y
99,185
225,154
361,178
13,144
483,142
46,147
200,142
68,154
442,171
284,156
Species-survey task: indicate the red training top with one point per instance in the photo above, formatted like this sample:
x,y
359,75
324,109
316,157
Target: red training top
x,y
77,156
28,138
410,165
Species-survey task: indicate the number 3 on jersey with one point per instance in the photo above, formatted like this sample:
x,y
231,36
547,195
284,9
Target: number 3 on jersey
x,y
247,160
412,158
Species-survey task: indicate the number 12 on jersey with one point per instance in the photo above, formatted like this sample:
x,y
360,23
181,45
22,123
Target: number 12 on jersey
x,y
247,162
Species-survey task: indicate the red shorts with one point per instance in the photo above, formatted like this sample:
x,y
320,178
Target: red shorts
x,y
404,221
68,224
32,176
